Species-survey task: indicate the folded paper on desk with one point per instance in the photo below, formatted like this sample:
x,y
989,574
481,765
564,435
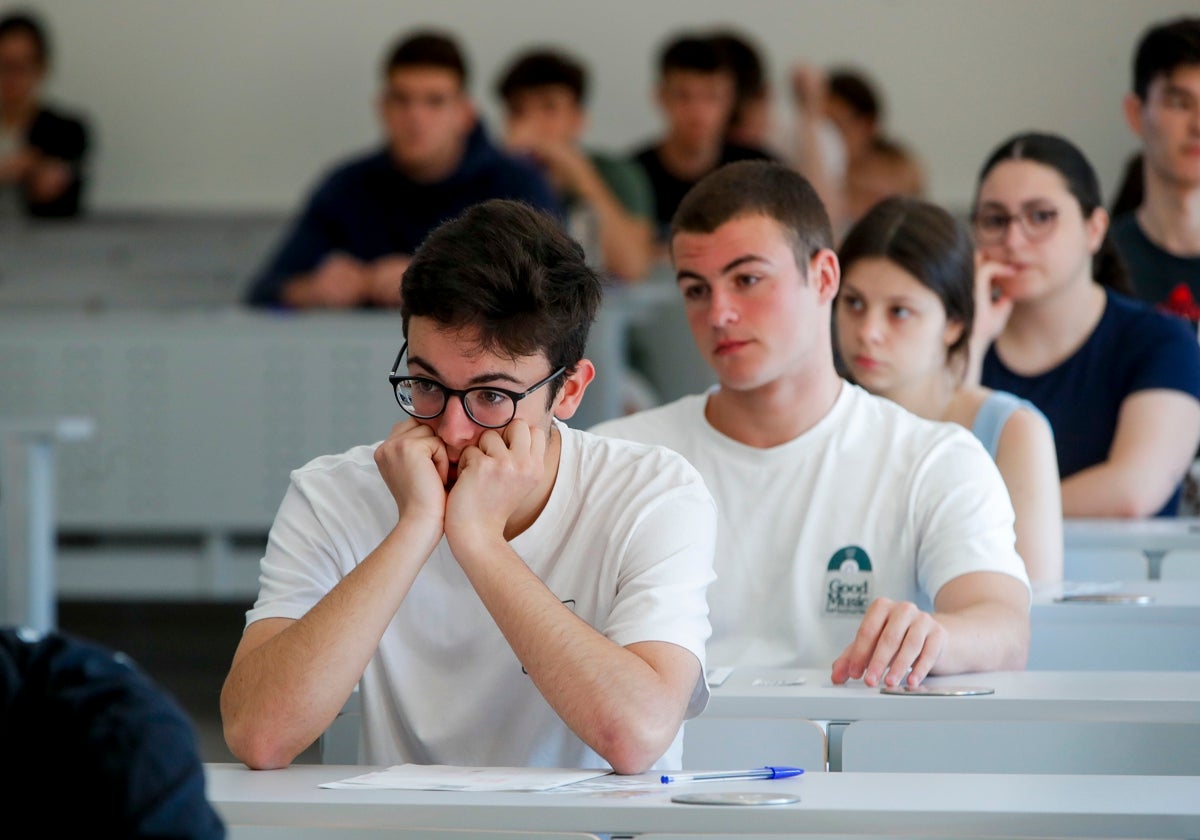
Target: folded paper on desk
x,y
446,777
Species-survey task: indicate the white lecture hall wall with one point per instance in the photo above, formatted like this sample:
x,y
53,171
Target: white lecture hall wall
x,y
241,104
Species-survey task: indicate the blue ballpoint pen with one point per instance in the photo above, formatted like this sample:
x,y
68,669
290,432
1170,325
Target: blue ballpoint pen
x,y
759,773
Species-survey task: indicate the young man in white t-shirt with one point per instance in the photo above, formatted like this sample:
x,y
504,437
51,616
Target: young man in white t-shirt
x,y
505,590
850,531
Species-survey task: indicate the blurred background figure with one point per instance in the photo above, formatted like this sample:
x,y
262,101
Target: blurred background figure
x,y
809,142
607,198
1157,227
353,240
75,713
695,94
878,165
43,150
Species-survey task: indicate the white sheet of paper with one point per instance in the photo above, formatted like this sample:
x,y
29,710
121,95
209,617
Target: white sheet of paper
x,y
446,777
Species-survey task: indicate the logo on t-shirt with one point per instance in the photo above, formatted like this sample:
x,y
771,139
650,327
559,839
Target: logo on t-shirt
x,y
848,582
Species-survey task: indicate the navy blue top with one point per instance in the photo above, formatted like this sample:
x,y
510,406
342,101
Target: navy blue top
x,y
1133,348
75,711
368,208
1168,281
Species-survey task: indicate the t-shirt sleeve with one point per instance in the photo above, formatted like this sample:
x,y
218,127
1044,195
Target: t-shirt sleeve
x,y
299,566
963,514
667,566
1167,356
629,184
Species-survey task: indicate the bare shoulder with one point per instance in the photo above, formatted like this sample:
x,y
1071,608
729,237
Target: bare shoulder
x,y
1027,445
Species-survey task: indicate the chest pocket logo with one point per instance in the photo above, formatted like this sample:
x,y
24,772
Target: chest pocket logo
x,y
848,581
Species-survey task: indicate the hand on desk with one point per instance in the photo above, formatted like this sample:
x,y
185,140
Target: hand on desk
x,y
342,282
894,636
384,277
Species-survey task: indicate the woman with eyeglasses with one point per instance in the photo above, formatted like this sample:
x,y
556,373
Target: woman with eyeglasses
x,y
904,317
1118,381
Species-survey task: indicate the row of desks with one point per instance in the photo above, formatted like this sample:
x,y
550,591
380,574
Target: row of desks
x,y
1131,722
829,805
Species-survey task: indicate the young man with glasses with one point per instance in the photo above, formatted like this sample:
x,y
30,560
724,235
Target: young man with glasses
x,y
361,225
850,531
504,590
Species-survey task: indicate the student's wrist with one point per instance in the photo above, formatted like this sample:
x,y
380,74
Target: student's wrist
x,y
420,530
471,541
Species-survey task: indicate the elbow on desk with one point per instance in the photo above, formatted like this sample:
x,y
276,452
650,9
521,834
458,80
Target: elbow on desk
x,y
633,748
258,750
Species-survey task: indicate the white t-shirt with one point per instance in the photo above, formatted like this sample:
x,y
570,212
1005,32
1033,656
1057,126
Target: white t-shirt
x,y
626,540
871,501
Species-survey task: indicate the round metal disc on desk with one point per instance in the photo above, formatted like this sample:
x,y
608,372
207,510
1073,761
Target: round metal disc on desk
x,y
937,690
1106,598
735,798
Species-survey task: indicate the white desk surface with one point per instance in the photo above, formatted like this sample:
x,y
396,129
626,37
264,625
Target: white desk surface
x,y
1160,534
1173,600
1132,696
1075,636
897,804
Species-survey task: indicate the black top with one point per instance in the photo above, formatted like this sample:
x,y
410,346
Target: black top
x,y
1168,281
669,189
63,136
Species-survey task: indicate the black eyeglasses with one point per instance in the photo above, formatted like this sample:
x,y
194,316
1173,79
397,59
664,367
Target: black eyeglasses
x,y
991,226
486,405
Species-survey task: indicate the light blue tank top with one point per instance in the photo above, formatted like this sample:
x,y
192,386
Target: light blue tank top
x,y
992,416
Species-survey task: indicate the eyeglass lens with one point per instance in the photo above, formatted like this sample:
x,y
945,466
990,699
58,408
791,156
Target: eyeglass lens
x,y
1035,222
425,399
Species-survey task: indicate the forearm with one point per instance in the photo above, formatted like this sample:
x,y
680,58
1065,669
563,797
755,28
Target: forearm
x,y
989,636
626,242
811,162
283,693
612,698
1111,489
300,292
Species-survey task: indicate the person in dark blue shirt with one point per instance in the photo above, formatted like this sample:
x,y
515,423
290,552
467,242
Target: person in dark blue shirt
x,y
1159,238
355,236
115,754
1118,381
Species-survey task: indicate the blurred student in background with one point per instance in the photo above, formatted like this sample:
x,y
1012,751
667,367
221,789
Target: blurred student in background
x,y
904,315
360,227
810,144
1119,382
1159,239
878,164
608,199
43,150
696,94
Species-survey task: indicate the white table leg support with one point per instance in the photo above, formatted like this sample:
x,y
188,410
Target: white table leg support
x,y
27,516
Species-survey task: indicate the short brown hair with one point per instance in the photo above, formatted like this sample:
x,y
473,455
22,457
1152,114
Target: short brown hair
x,y
758,187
